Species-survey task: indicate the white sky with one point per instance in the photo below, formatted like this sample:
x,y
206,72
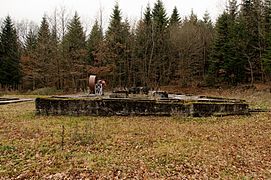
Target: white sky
x,y
88,10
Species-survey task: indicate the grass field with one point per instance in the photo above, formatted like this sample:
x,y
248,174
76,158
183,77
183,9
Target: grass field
x,y
40,147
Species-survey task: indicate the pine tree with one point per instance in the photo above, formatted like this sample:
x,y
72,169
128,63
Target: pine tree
x,y
227,58
219,55
175,17
114,43
173,28
143,47
267,53
207,39
207,19
159,16
159,58
94,41
267,17
75,36
28,61
114,28
267,62
251,38
235,64
117,40
76,53
44,69
57,58
193,18
10,56
236,61
147,16
31,41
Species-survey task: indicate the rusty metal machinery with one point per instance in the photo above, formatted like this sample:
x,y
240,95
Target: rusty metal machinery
x,y
99,88
96,86
92,83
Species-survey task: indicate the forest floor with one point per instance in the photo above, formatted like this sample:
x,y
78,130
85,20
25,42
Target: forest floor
x,y
63,147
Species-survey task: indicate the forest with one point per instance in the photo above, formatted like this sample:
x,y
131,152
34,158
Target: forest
x,y
161,49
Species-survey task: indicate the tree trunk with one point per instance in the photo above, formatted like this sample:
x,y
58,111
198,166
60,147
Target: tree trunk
x,y
251,72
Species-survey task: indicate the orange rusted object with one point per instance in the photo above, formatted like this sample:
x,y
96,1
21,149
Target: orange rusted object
x,y
92,83
103,83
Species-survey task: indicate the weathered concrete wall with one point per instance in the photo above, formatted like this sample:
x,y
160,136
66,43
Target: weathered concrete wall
x,y
219,109
109,107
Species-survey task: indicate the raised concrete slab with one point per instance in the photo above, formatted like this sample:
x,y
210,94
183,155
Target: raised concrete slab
x,y
4,101
179,105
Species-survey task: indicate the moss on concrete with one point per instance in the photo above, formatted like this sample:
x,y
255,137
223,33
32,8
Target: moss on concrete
x,y
96,106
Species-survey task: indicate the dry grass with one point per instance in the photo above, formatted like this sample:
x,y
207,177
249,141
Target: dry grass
x,y
136,147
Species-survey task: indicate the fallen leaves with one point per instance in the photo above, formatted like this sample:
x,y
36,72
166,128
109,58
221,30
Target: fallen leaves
x,y
133,147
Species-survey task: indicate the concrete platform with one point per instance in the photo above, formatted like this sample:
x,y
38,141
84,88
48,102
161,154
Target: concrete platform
x,y
4,101
174,105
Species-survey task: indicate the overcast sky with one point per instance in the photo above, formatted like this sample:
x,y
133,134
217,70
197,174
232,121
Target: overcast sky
x,y
89,9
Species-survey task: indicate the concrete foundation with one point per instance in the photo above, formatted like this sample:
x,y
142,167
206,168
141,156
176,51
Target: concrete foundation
x,y
177,105
4,101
